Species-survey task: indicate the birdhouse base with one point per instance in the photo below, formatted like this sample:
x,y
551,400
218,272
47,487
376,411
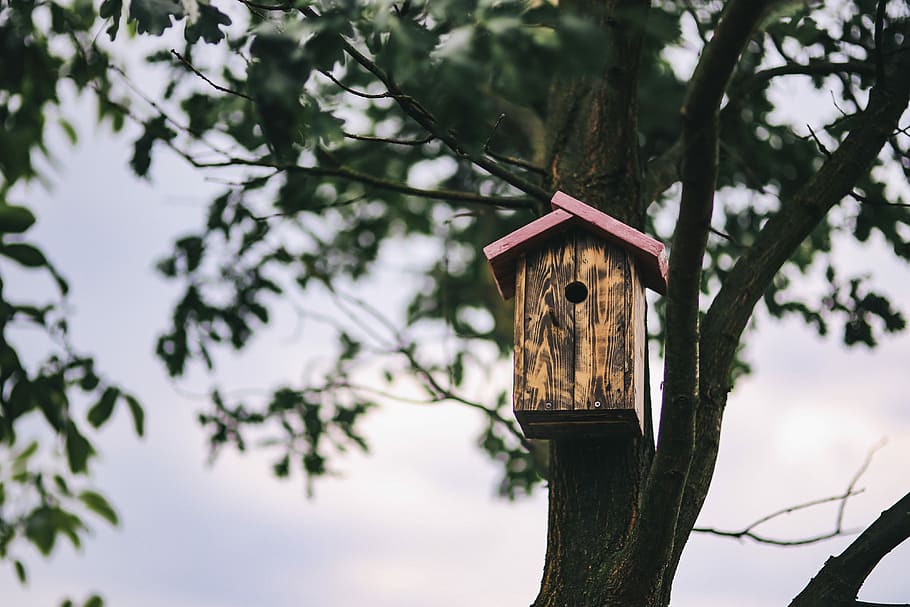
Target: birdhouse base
x,y
565,424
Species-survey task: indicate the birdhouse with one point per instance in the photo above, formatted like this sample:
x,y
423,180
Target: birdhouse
x,y
578,277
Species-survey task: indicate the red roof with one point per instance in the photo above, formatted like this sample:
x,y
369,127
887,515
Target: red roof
x,y
568,212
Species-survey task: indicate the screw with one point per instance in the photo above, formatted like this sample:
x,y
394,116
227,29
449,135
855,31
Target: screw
x,y
597,404
549,405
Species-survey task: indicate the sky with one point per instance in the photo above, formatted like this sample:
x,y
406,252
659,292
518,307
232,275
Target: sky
x,y
417,522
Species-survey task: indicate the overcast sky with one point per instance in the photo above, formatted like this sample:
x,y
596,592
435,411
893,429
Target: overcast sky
x,y
417,522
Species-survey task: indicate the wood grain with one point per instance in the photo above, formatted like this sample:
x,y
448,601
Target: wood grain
x,y
574,355
505,252
649,253
569,214
601,340
520,320
548,349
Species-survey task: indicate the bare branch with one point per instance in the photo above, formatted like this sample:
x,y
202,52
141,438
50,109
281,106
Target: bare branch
x,y
843,498
877,37
343,172
215,86
267,7
747,281
666,482
821,146
876,203
762,78
519,162
699,27
839,580
761,539
404,347
524,164
391,140
422,116
859,474
663,171
354,92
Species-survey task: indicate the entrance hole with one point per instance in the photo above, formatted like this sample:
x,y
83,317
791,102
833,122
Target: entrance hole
x,y
576,292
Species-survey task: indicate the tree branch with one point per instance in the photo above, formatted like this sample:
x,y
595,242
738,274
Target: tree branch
x,y
215,86
663,170
783,232
762,78
424,118
745,284
343,172
850,491
839,580
666,482
391,140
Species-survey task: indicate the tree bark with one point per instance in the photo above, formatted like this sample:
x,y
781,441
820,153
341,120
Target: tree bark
x,y
592,153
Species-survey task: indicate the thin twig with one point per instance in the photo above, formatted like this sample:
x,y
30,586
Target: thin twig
x,y
267,7
748,532
821,146
214,85
519,162
856,477
486,144
698,24
877,38
392,140
424,118
343,172
724,235
355,92
876,203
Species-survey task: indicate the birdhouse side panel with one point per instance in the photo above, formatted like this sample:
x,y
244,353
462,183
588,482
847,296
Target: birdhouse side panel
x,y
547,333
639,336
518,383
602,341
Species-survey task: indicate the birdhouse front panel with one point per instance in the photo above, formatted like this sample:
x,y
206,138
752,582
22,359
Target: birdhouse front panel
x,y
578,302
578,277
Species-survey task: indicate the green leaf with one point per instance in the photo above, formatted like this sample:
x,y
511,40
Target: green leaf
x,y
282,468
137,413
20,571
41,530
15,220
154,16
155,129
99,505
25,254
62,487
61,282
94,601
111,9
78,450
23,457
69,129
102,410
207,25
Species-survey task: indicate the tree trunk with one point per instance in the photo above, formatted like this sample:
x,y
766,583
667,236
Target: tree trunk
x,y
594,484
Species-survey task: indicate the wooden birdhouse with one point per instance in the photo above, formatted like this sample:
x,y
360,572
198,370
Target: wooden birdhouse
x,y
578,277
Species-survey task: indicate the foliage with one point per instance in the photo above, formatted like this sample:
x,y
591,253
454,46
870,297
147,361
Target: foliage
x,y
346,128
44,497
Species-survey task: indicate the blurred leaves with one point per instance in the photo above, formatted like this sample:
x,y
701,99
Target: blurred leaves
x,y
38,505
298,100
43,492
